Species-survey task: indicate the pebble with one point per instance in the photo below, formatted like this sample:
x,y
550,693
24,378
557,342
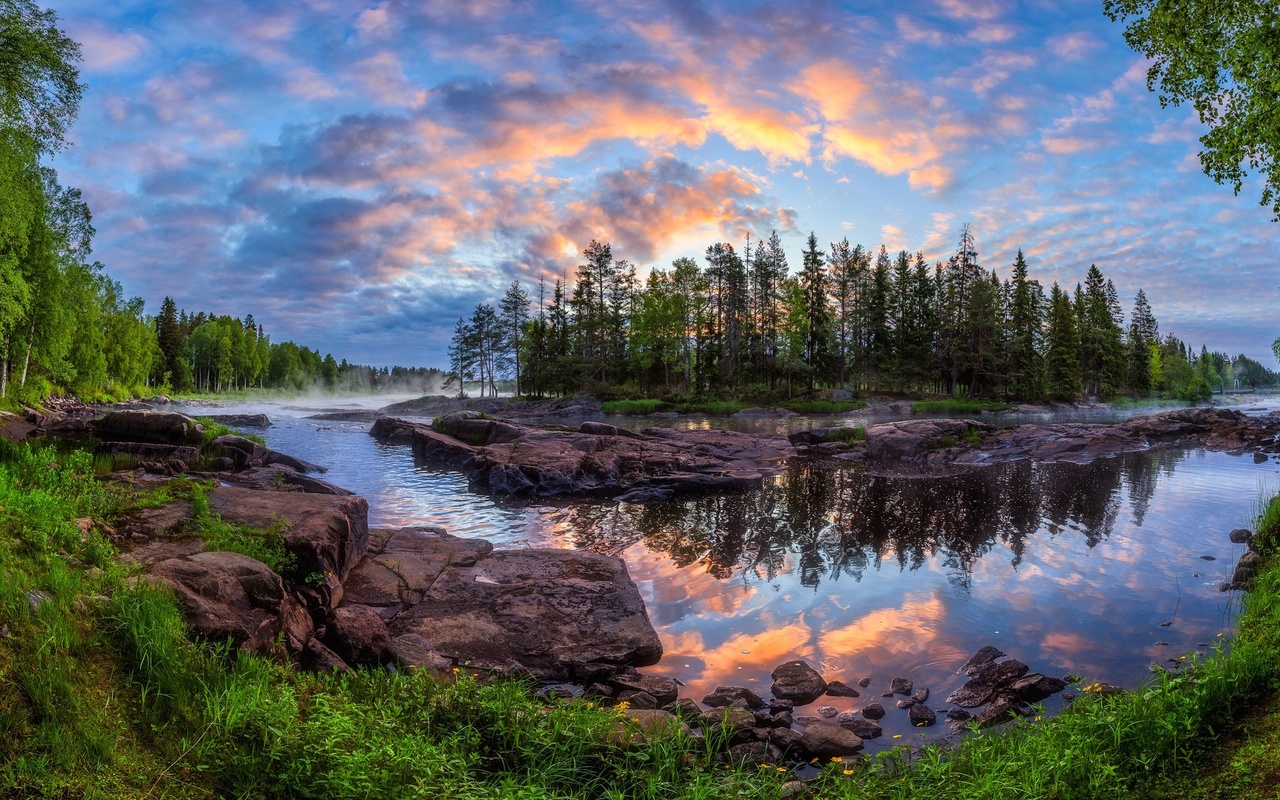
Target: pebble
x,y
827,711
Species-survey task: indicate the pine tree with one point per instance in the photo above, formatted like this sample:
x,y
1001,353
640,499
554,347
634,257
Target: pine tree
x,y
813,284
1026,331
515,312
1062,359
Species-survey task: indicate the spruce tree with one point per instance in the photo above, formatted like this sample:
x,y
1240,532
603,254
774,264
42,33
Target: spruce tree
x,y
1062,359
813,284
1026,332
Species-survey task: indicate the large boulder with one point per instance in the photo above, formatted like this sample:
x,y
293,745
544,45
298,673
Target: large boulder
x,y
360,637
327,535
987,682
798,682
823,740
149,426
232,596
402,564
546,609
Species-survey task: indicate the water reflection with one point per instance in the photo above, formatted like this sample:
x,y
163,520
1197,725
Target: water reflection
x,y
827,523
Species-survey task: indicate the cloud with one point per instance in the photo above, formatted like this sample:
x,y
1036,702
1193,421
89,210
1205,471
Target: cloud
x,y
104,49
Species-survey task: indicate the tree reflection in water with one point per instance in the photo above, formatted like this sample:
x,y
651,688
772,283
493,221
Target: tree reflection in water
x,y
833,523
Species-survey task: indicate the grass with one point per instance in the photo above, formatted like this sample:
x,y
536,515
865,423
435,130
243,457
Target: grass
x,y
955,405
823,406
212,430
633,407
103,695
856,434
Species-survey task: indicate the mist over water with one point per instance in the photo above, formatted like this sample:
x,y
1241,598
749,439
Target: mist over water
x,y
1069,568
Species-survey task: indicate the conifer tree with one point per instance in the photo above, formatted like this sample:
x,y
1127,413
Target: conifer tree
x,y
1062,360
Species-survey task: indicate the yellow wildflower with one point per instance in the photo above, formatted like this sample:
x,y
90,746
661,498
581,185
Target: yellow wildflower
x,y
837,759
848,772
897,736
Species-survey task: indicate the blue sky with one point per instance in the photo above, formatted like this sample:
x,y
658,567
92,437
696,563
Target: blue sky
x,y
359,175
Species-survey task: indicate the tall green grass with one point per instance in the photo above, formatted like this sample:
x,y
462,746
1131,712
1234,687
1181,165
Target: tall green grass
x,y
633,407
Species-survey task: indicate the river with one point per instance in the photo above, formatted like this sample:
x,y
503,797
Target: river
x,y
1100,570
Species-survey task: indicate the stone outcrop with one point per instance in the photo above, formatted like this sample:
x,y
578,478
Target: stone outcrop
x,y
546,609
232,596
798,682
595,460
941,443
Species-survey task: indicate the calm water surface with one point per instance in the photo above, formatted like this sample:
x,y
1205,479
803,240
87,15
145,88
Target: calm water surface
x,y
1069,568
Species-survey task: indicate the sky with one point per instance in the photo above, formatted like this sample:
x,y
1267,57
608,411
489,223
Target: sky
x,y
359,175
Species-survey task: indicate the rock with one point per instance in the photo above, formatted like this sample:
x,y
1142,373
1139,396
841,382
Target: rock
x,y
596,460
353,415
798,682
906,703
774,719
792,789
37,599
781,705
873,711
148,426
920,695
318,658
755,753
401,564
686,709
637,699
958,715
560,691
641,725
727,722
921,716
1000,710
549,609
900,686
980,659
325,535
164,459
785,739
838,689
360,637
827,712
413,652
864,682
822,740
1245,572
986,682
863,728
279,478
232,596
1035,687
1241,536
242,420
663,690
726,695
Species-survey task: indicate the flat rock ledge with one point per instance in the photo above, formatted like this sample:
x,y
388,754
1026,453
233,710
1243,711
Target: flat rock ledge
x,y
933,444
594,460
413,597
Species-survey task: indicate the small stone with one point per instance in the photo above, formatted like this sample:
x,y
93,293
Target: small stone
x,y
1162,644
920,695
559,691
864,682
864,728
785,739
729,720
839,689
846,716
5,633
792,789
755,753
687,709
921,716
958,714
1241,536
873,711
907,703
727,695
1208,558
781,705
601,690
900,686
827,712
887,694
36,598
1168,624
807,719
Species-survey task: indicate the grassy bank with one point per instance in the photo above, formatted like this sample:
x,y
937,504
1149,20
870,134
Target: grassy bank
x,y
953,405
102,695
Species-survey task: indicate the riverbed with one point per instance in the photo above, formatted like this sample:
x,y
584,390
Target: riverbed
x,y
1099,570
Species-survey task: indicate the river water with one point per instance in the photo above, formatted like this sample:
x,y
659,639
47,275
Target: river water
x,y
1099,570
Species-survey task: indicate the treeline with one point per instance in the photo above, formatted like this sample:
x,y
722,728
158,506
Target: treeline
x,y
850,318
216,353
63,322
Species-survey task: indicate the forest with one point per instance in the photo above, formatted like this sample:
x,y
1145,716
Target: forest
x,y
852,318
